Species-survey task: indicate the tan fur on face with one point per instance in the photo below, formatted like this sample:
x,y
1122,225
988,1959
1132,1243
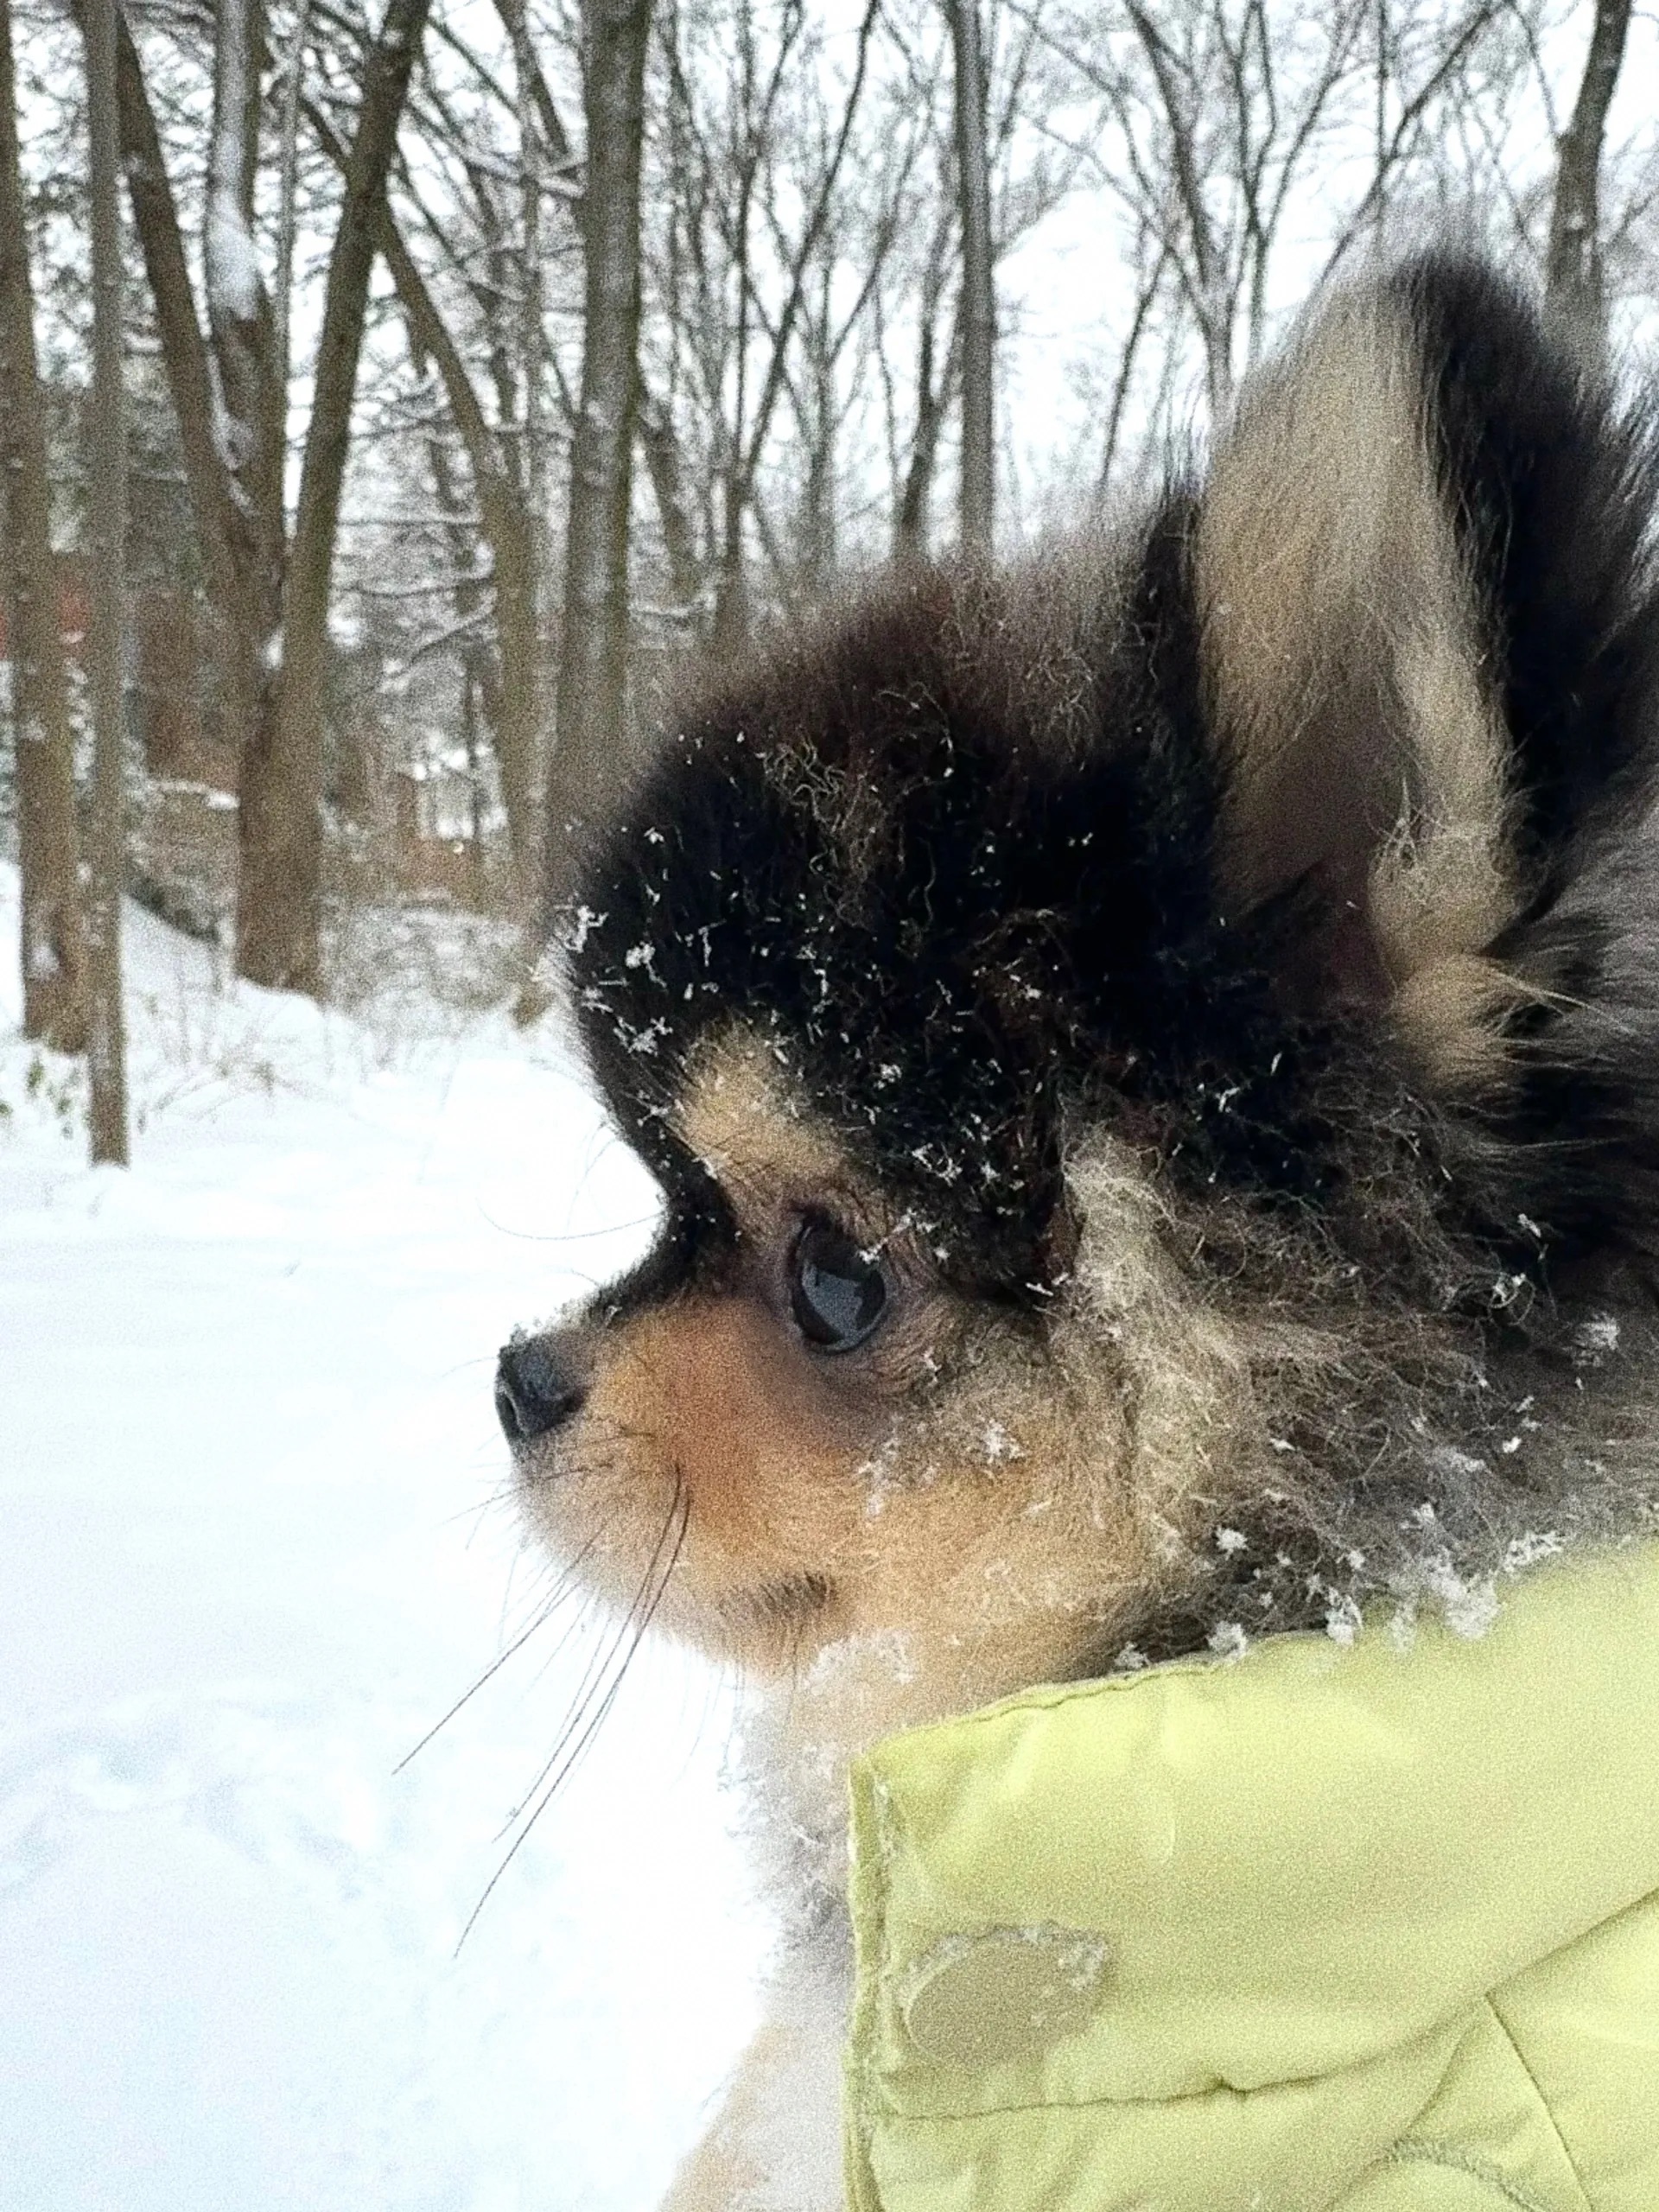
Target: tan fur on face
x,y
739,1120
950,1499
936,1520
1342,656
973,1505
983,1504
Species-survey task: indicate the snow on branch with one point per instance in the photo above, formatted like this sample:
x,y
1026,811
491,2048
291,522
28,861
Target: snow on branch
x,y
233,260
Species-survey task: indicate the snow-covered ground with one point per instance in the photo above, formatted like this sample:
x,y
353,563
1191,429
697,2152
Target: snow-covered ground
x,y
253,1544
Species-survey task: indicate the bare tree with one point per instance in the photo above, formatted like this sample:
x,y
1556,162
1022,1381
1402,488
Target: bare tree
x,y
665,467
279,894
978,314
1236,112
229,395
1027,172
1215,117
1573,276
759,145
937,370
53,939
514,699
106,1042
593,659
1151,263
527,83
250,387
1428,82
241,574
835,345
270,597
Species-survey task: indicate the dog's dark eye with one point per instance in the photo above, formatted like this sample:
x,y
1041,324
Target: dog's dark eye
x,y
838,1294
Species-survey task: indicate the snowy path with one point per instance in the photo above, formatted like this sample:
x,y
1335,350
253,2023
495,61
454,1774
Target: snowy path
x,y
250,1548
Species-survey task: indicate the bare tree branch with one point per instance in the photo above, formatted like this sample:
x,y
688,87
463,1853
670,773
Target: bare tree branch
x,y
1573,275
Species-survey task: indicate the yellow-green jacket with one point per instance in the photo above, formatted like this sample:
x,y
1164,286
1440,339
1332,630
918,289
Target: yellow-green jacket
x,y
1374,1929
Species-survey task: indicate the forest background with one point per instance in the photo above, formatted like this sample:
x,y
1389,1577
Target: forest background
x,y
395,409
474,370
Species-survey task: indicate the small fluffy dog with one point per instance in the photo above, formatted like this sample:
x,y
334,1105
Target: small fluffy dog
x,y
1152,1065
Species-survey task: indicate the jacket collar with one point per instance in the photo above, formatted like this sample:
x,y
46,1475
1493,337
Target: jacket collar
x,y
1216,1877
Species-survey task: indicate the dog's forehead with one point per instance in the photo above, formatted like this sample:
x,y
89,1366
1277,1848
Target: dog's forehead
x,y
890,860
744,1114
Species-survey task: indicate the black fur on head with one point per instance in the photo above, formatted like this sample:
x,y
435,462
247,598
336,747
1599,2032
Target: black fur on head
x,y
1301,839
964,876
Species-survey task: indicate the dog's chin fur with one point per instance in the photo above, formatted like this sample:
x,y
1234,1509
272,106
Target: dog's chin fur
x,y
1212,974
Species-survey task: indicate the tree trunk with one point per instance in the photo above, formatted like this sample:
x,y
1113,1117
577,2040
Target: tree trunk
x,y
593,664
532,319
288,193
661,447
467,596
910,527
239,307
819,540
519,719
978,321
280,894
238,520
53,940
106,1047
1573,278
184,355
251,395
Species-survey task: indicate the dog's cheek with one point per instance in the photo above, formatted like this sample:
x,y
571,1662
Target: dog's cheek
x,y
702,1406
1002,1529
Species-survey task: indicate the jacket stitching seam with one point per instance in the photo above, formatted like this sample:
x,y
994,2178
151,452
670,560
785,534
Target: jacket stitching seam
x,y
1053,1697
1507,2034
1012,2107
862,2110
1416,2151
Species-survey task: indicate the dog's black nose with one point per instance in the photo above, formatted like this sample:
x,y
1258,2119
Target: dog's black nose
x,y
539,1382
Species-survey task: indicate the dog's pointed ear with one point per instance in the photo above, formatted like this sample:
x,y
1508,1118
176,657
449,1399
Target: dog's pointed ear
x,y
1424,613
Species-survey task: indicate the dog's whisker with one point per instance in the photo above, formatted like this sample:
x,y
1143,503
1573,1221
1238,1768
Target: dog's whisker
x,y
571,1629
563,1591
682,1509
554,1237
467,1696
598,1665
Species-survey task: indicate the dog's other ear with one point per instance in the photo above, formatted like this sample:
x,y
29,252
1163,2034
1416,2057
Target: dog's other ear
x,y
1430,647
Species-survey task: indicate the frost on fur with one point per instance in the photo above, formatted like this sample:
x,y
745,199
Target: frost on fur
x,y
1201,990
